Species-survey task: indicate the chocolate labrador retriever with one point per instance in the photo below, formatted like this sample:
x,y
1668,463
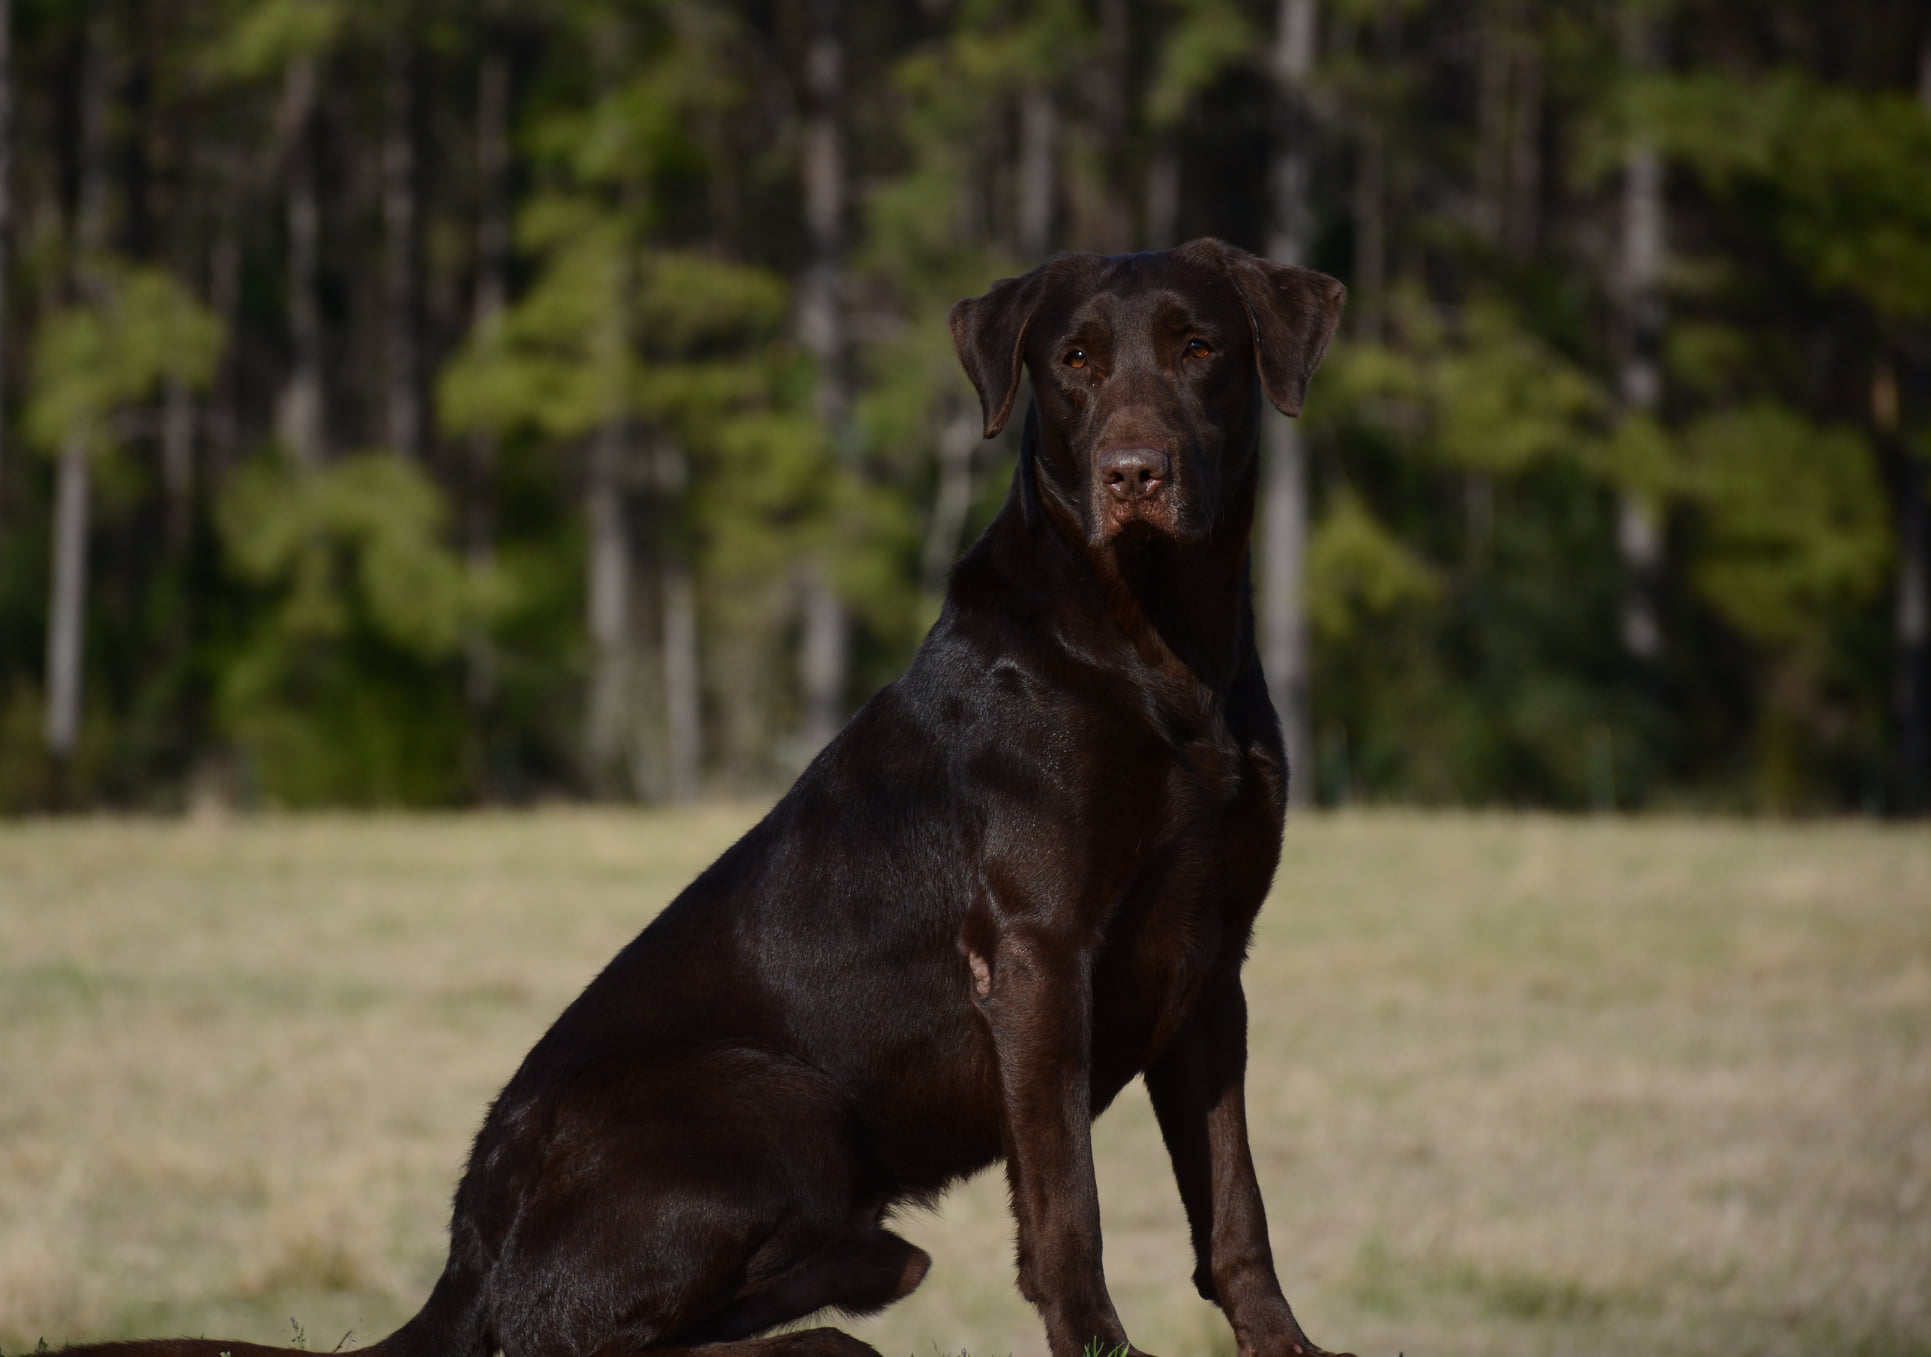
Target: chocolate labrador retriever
x,y
1024,873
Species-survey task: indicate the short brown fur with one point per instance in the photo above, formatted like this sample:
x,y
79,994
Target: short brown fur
x,y
1025,873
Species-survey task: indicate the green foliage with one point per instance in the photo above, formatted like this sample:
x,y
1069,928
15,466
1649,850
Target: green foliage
x,y
609,331
1488,396
613,327
1003,45
356,541
1779,565
1846,173
266,36
342,692
1505,399
94,360
1468,447
1207,37
1358,571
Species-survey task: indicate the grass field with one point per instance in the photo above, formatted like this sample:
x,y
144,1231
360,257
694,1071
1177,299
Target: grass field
x,y
1519,1085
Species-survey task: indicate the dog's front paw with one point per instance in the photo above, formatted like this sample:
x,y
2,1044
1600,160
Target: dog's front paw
x,y
1100,1347
1299,1345
1097,1346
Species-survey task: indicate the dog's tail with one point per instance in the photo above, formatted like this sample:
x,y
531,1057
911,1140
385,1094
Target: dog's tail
x,y
450,1324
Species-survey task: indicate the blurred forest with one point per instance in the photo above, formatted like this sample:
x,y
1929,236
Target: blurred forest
x,y
449,401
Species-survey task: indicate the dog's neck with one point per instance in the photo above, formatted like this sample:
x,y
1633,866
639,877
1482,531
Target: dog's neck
x,y
1183,608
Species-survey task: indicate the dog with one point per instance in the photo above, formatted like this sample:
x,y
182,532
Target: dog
x,y
1024,873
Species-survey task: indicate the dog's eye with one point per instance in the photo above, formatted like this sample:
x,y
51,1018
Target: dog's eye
x,y
1199,348
1075,358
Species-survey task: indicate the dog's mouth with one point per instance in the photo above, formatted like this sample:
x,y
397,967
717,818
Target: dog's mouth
x,y
1134,491
1158,517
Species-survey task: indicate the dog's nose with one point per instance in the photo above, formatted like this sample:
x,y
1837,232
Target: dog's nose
x,y
1134,473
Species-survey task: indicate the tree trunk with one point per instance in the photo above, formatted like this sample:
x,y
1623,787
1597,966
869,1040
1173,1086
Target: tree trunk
x,y
1521,223
186,223
608,724
1367,299
1912,673
823,653
1038,172
1284,658
822,656
1508,188
224,293
821,304
492,296
401,220
302,415
1163,194
1639,537
177,462
1911,662
1639,533
135,95
1911,634
958,446
1491,118
1508,127
1284,512
67,601
614,747
1110,230
6,227
1367,289
683,705
683,700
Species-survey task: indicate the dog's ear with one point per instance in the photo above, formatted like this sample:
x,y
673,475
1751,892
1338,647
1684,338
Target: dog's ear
x,y
990,334
1294,312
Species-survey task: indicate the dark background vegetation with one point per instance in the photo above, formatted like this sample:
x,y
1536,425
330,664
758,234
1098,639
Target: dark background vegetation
x,y
424,402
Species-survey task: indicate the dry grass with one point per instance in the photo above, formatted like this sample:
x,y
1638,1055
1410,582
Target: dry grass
x,y
1519,1085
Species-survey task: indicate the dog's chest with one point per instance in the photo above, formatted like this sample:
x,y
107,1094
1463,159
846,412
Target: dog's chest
x,y
1186,915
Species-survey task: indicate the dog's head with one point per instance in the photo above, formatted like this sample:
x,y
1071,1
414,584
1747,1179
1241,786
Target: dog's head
x,y
1147,375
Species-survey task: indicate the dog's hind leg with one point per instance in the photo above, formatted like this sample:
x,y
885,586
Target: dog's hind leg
x,y
691,1201
860,1273
805,1343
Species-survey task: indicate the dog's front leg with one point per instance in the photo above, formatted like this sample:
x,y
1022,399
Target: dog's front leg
x,y
1199,1096
1035,991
